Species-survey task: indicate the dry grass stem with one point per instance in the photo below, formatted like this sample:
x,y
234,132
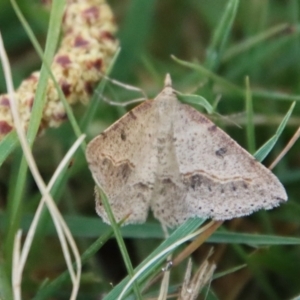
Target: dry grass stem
x,y
62,229
286,149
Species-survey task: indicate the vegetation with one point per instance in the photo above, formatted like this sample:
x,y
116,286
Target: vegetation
x,y
243,58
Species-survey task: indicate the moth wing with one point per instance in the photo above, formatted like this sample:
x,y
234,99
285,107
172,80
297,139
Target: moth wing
x,y
123,160
222,179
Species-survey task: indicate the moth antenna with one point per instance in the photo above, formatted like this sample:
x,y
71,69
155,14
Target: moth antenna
x,y
168,81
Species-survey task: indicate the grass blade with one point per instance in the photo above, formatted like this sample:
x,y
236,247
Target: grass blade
x,y
220,36
265,149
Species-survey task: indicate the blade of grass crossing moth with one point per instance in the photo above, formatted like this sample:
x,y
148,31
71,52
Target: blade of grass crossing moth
x,y
198,100
120,241
164,253
182,231
265,149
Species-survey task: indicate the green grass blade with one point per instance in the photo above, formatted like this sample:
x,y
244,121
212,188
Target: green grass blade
x,y
182,231
265,149
49,289
207,73
120,241
250,123
53,35
92,228
5,284
47,57
229,271
283,44
7,145
275,95
90,112
254,240
251,42
220,36
133,34
14,205
196,99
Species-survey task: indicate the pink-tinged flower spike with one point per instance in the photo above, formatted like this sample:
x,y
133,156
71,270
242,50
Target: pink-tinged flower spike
x,y
88,43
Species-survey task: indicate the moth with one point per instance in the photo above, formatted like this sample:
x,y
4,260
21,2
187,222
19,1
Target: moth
x,y
169,157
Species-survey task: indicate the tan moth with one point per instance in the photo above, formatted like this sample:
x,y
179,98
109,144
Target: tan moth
x,y
167,156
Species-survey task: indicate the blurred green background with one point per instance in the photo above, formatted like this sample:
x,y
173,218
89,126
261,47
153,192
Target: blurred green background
x,y
259,39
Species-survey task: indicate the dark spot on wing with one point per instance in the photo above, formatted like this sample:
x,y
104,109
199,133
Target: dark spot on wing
x,y
123,135
233,187
105,161
132,115
141,197
195,181
221,152
103,135
125,171
116,125
167,181
161,140
142,186
212,128
245,185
